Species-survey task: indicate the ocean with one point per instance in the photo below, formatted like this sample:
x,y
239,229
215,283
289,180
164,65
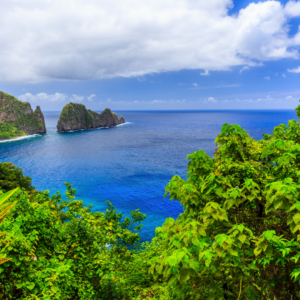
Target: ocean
x,y
130,164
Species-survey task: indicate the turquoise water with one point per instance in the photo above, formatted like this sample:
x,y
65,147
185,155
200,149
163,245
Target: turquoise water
x,y
131,164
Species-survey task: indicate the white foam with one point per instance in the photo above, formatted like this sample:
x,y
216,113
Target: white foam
x,y
126,123
25,137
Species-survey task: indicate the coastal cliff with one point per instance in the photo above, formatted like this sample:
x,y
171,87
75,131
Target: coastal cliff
x,y
76,116
17,118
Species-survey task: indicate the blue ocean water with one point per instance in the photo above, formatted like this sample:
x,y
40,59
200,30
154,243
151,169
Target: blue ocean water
x,y
131,164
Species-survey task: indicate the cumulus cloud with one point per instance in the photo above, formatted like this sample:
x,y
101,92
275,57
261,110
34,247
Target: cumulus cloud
x,y
41,97
211,99
167,101
296,70
292,8
57,97
89,39
288,97
195,84
267,78
283,75
205,73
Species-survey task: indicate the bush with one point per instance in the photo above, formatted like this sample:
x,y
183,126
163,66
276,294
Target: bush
x,y
62,250
238,237
8,131
12,177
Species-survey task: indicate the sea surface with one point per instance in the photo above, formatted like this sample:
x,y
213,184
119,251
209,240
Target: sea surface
x,y
130,164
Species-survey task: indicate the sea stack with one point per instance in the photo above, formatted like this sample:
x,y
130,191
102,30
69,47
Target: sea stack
x,y
17,117
75,116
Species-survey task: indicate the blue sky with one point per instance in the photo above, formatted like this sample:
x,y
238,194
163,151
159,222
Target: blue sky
x,y
192,55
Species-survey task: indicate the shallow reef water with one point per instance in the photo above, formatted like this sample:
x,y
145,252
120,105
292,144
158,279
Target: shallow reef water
x,y
129,165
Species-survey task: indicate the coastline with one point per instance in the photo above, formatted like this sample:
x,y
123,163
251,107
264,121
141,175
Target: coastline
x,y
126,123
21,137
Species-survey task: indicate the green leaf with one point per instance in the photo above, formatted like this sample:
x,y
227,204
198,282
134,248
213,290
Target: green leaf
x,y
280,144
221,238
224,127
30,285
172,260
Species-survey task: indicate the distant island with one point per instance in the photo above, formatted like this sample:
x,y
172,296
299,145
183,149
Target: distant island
x,y
18,119
76,116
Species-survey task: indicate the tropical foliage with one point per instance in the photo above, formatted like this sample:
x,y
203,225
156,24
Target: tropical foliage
x,y
12,177
8,131
4,210
238,237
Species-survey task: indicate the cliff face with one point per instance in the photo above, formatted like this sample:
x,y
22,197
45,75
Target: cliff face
x,y
20,115
75,116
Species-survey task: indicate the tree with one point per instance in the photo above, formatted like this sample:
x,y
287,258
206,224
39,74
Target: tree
x,y
12,177
62,250
238,237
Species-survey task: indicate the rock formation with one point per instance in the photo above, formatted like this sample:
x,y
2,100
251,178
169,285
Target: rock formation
x,y
20,115
75,116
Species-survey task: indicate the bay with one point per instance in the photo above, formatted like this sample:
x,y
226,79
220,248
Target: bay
x,y
130,165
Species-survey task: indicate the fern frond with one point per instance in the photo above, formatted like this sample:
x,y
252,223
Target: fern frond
x,y
6,210
5,196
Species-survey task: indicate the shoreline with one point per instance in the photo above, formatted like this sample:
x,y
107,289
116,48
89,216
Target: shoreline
x,y
93,128
21,137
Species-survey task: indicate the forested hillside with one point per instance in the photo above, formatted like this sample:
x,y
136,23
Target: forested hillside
x,y
17,118
238,237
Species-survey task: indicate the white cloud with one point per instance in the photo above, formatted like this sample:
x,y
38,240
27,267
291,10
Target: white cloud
x,y
288,97
166,101
76,98
57,97
217,86
195,84
88,39
211,99
43,97
90,98
244,68
267,78
292,8
283,75
296,70
205,73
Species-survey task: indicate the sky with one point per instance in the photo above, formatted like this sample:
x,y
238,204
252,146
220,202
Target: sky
x,y
151,54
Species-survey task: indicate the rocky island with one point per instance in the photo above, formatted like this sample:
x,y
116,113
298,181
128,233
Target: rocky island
x,y
76,116
18,119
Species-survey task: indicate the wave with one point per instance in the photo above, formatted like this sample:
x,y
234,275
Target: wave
x,y
126,123
24,137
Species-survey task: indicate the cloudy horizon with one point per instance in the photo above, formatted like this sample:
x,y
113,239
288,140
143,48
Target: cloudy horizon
x,y
134,55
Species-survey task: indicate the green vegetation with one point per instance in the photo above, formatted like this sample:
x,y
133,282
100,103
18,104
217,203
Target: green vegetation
x,y
8,131
12,177
238,237
4,210
76,112
20,116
